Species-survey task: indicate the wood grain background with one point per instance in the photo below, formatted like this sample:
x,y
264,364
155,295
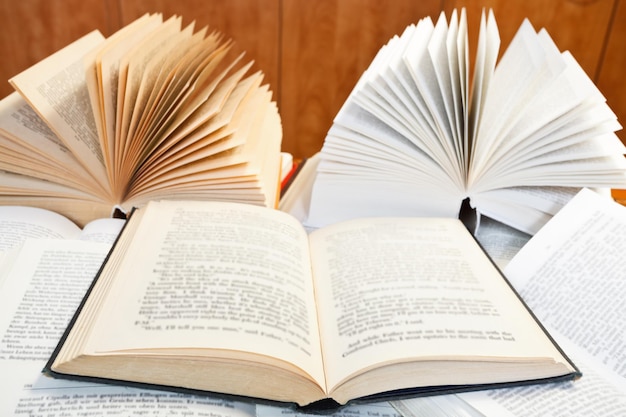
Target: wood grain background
x,y
313,52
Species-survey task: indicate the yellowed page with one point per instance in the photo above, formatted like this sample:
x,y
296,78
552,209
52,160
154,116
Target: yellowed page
x,y
93,78
56,88
208,124
110,86
198,94
141,69
189,280
269,163
201,142
253,150
184,77
23,161
126,160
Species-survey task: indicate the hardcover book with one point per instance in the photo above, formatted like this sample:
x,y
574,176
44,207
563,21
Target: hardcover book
x,y
238,299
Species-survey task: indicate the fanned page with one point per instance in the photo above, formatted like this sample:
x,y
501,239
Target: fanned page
x,y
415,138
103,66
544,123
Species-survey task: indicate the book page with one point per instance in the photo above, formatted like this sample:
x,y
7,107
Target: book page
x,y
20,223
397,289
575,264
35,307
507,94
442,51
56,88
220,109
390,150
220,276
140,70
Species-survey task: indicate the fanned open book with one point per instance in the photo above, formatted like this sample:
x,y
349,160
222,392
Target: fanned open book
x,y
412,139
154,111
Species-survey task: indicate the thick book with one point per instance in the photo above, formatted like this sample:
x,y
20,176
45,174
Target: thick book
x,y
518,135
156,110
238,299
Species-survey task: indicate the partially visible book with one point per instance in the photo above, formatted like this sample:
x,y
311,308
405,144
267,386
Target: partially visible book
x,y
156,110
571,273
202,296
419,134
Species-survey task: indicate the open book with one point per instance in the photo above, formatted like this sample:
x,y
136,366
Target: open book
x,y
154,111
416,137
238,299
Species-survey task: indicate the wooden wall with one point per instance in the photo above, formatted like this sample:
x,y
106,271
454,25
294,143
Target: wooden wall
x,y
312,52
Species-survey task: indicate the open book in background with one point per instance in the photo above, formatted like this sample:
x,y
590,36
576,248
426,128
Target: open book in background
x,y
154,111
571,273
416,137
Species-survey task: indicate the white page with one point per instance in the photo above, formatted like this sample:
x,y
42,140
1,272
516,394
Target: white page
x,y
506,94
501,242
576,264
484,65
19,223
